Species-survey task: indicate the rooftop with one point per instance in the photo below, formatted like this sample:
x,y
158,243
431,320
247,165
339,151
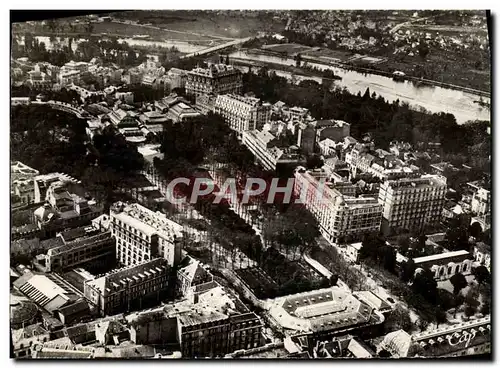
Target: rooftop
x,y
46,290
81,243
214,70
198,316
252,101
330,123
146,221
321,310
451,256
118,278
422,182
18,168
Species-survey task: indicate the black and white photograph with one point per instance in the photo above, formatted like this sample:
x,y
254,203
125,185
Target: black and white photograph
x,y
250,184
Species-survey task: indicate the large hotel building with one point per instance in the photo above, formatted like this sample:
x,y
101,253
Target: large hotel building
x,y
412,203
242,113
216,79
142,235
341,218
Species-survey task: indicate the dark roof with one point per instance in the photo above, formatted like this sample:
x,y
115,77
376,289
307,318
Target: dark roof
x,y
483,247
73,233
244,317
78,306
24,229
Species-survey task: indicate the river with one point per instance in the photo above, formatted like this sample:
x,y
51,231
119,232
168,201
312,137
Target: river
x,y
182,46
431,98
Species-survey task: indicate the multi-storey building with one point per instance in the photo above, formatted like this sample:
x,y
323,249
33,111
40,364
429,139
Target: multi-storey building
x,y
335,130
89,247
83,92
412,203
22,184
269,157
181,112
296,113
132,77
211,325
43,182
191,273
482,255
129,288
63,208
481,202
311,133
340,217
142,235
381,164
69,77
122,119
205,103
127,97
73,66
38,79
176,78
216,78
242,113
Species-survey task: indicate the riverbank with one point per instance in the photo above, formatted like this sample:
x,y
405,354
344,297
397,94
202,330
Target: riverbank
x,y
362,69
298,72
432,98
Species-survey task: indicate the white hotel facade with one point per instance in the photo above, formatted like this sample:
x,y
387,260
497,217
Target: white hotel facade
x,y
341,218
242,113
412,203
142,235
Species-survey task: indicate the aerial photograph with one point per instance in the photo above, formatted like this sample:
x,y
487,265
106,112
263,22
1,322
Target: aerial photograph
x,y
250,184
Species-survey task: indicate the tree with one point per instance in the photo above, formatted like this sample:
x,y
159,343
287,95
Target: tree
x,y
399,319
314,161
459,282
485,308
425,285
298,60
334,279
475,230
446,299
423,49
408,270
403,244
384,354
440,317
422,324
470,310
481,274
